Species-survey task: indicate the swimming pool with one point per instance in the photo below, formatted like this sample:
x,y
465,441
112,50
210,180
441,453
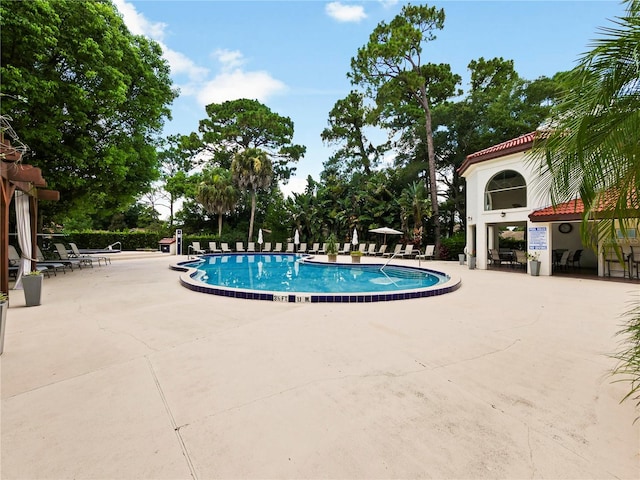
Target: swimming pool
x,y
298,278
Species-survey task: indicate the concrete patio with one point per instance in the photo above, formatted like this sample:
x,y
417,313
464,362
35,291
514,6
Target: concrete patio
x,y
121,373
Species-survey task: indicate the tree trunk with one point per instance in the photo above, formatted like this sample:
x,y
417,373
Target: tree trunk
x,y
253,214
219,224
433,186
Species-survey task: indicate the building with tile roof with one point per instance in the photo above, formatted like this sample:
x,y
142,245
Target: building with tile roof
x,y
502,191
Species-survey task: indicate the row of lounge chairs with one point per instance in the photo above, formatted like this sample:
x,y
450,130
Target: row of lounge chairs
x,y
317,248
67,260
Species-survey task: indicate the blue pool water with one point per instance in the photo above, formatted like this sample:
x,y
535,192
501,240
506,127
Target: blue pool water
x,y
291,273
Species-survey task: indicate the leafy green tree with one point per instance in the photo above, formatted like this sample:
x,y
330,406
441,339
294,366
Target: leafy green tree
x,y
252,170
500,105
348,120
390,67
175,165
94,98
217,193
238,125
592,151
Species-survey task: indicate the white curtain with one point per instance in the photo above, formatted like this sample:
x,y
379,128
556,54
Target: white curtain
x,y
24,233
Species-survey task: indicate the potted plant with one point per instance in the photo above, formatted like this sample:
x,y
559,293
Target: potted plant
x,y
4,306
32,285
472,258
332,248
355,256
534,263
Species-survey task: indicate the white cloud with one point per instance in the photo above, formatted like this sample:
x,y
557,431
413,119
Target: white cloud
x,y
345,13
139,25
233,82
294,185
389,3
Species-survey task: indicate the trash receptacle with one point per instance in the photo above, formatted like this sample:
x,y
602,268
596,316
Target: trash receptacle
x,y
167,245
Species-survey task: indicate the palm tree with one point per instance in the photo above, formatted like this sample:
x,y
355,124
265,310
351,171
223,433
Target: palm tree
x,y
217,193
593,152
252,170
414,204
592,149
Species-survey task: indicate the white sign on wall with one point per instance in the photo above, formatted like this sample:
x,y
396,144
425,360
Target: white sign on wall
x,y
538,238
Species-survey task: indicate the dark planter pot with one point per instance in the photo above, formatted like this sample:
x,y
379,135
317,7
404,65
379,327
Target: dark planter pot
x,y
4,306
32,285
534,268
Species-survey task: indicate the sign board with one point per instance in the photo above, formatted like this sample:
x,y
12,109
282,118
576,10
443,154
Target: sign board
x,y
179,241
538,238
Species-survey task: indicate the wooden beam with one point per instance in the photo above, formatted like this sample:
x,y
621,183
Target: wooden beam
x,y
52,195
22,173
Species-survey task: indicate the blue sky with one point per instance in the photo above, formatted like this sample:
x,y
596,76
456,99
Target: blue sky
x,y
293,56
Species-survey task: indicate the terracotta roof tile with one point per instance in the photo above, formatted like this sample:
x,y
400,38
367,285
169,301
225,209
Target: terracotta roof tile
x,y
520,144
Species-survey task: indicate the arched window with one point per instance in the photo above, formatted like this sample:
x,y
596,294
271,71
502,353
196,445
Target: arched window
x,y
507,189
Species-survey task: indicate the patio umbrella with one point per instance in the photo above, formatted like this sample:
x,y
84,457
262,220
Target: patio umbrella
x,y
354,239
386,231
296,238
260,240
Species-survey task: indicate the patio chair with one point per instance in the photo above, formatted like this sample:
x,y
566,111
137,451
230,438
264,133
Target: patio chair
x,y
323,249
575,259
382,250
278,247
371,250
563,264
251,247
213,247
290,248
76,253
634,262
346,248
65,258
15,259
407,252
610,257
196,248
520,259
363,248
224,246
267,247
314,248
302,248
395,252
51,264
429,253
494,257
240,247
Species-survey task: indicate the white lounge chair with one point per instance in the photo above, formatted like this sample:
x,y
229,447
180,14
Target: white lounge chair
x,y
196,248
278,247
213,247
240,247
267,247
225,247
302,248
395,252
290,247
314,248
371,250
345,249
429,253
251,247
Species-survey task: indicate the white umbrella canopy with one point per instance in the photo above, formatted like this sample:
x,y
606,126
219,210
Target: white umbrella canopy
x,y
260,239
386,231
354,238
296,238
